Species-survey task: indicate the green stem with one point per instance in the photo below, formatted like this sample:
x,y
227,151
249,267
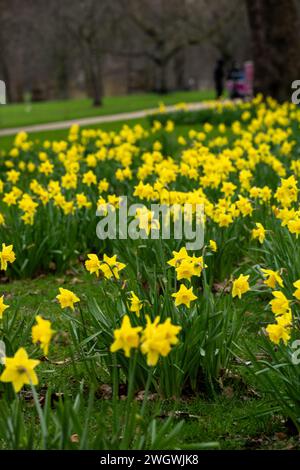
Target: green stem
x,y
147,388
115,392
128,411
132,367
41,416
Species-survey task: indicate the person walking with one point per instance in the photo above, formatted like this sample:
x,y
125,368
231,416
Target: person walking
x,y
219,78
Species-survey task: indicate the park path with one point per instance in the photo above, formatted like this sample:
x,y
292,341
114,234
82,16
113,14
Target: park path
x,y
88,121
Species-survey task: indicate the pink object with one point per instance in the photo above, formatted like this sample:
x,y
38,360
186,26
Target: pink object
x,y
243,84
249,77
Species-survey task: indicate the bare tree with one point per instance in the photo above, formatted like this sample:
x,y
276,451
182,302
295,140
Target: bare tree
x,y
90,23
166,30
47,47
233,34
27,34
275,39
162,26
10,49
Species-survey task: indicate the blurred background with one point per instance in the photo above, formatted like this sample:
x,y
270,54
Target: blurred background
x,y
61,49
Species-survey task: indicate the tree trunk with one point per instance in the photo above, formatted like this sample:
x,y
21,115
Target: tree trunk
x,y
62,77
93,72
96,83
179,70
5,77
162,78
275,40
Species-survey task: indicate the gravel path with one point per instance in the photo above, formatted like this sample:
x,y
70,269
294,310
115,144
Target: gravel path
x,y
52,126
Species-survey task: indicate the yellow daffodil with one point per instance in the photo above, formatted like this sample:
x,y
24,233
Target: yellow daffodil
x,y
89,178
111,267
259,232
42,333
93,264
126,337
19,370
213,245
240,286
271,278
7,255
184,296
297,291
278,332
3,306
185,270
135,304
146,220
67,298
198,265
178,256
285,319
280,305
82,201
103,185
294,226
13,176
157,339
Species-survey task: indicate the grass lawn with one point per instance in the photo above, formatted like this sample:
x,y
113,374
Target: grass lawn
x,y
22,114
231,418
